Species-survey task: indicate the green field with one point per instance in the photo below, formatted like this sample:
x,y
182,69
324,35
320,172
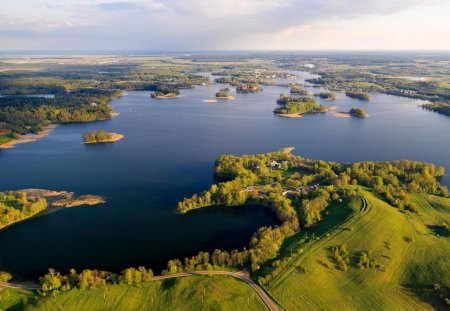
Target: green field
x,y
412,255
186,293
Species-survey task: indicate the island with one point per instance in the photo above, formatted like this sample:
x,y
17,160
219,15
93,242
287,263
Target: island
x,y
297,89
162,95
358,95
223,94
248,88
97,137
357,112
295,107
326,95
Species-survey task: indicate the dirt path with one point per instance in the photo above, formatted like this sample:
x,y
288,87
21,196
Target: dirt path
x,y
28,286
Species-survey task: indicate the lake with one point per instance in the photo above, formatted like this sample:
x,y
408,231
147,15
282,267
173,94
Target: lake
x,y
168,153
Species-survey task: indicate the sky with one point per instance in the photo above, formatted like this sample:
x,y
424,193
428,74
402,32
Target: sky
x,y
189,25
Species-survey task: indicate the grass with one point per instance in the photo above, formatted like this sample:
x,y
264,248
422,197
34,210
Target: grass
x,y
414,259
5,139
14,299
186,293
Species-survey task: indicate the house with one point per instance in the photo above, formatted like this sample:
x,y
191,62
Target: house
x,y
275,165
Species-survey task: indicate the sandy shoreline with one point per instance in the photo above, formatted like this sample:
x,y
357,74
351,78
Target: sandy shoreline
x,y
64,198
290,115
115,137
28,138
209,101
287,150
342,115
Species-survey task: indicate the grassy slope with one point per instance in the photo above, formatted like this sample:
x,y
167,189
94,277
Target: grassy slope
x,y
409,265
187,293
13,299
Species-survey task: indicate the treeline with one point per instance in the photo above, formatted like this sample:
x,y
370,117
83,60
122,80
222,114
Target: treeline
x,y
358,95
17,206
54,282
28,83
205,261
22,114
442,108
300,105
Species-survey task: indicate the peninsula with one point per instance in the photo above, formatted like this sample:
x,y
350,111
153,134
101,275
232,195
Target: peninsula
x,y
16,206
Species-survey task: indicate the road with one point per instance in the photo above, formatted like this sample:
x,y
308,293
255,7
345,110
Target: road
x,y
241,275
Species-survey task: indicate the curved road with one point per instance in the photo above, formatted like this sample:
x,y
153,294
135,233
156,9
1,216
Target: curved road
x,y
241,275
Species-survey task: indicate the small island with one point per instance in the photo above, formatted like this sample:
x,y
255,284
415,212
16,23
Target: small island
x,y
97,137
326,95
358,95
166,93
297,89
295,107
248,88
358,112
223,94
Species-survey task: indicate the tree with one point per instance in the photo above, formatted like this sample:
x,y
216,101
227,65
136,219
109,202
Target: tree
x,y
5,276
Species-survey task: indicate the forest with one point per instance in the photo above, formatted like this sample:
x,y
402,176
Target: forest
x,y
31,114
17,206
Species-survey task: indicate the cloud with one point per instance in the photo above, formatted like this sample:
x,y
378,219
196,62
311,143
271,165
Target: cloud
x,y
193,24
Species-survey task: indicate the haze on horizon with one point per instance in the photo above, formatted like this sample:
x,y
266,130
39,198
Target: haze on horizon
x,y
224,24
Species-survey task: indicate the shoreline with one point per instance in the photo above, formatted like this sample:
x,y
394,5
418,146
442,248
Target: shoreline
x,y
228,97
28,138
167,96
342,114
115,137
290,115
209,101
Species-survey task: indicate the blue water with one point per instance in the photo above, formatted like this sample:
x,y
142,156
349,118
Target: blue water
x,y
168,153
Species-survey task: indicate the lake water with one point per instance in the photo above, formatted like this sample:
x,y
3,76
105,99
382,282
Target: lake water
x,y
168,153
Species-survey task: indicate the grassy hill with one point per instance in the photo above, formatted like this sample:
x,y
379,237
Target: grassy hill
x,y
186,293
410,256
